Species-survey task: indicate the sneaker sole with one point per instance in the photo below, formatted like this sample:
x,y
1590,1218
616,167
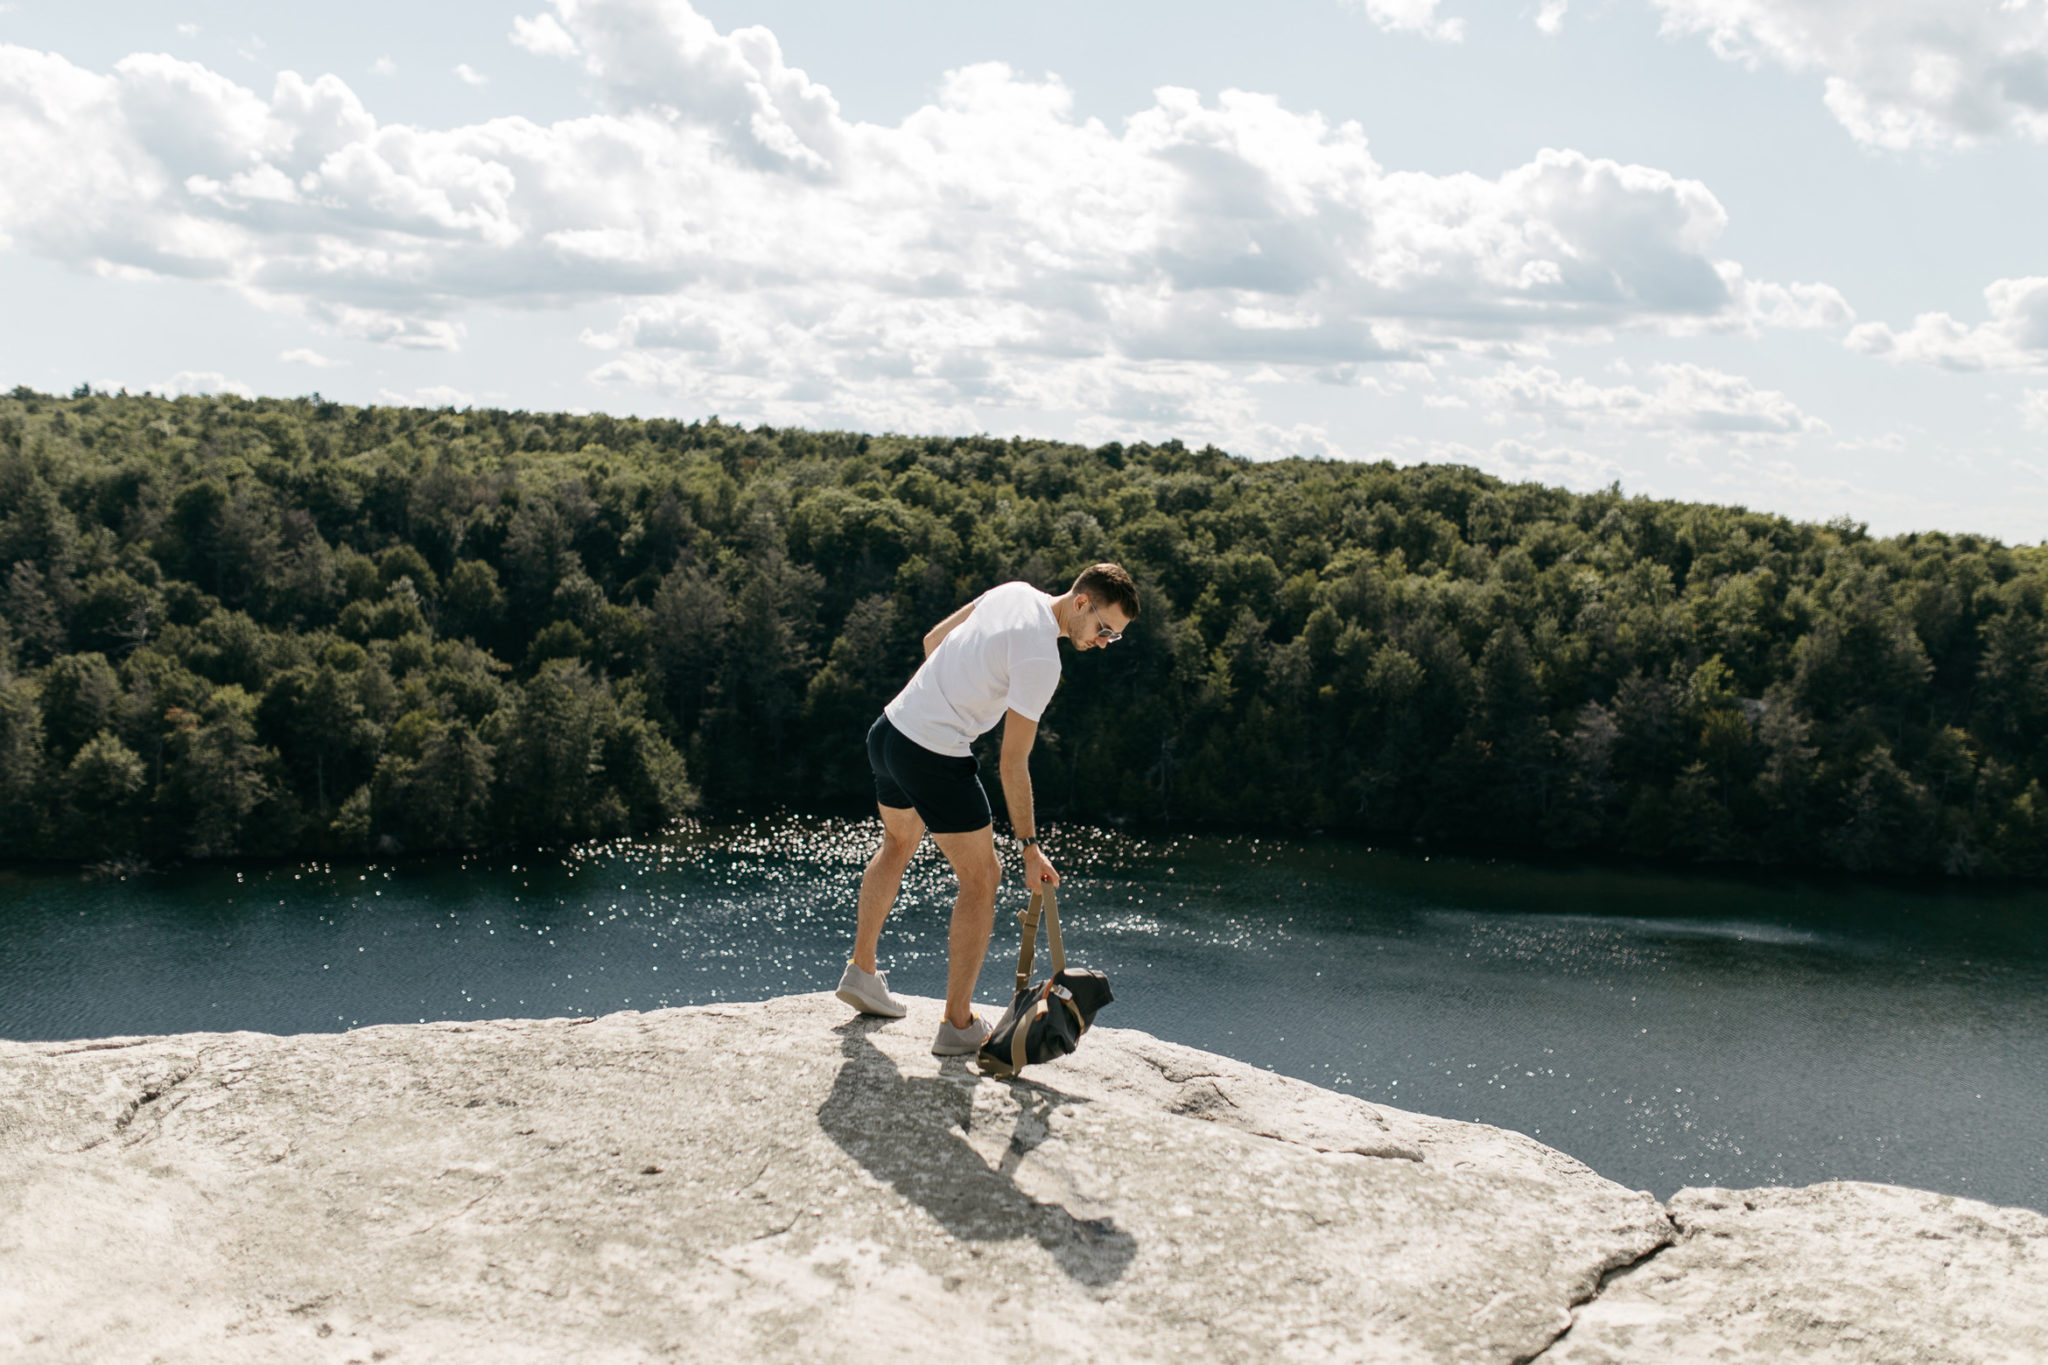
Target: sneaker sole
x,y
866,1008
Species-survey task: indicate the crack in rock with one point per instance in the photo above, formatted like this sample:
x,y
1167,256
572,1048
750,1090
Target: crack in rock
x,y
104,1045
152,1093
1608,1275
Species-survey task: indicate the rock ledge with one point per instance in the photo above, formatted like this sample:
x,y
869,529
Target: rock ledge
x,y
775,1181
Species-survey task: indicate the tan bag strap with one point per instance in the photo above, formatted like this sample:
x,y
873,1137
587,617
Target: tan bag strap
x,y
1080,1024
1042,902
1020,1037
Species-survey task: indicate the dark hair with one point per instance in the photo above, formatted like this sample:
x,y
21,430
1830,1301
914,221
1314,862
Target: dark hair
x,y
1108,585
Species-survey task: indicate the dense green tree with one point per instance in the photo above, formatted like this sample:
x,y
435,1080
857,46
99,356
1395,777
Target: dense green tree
x,y
81,696
644,772
473,606
691,617
432,788
102,794
117,614
223,793
35,624
550,790
868,663
301,625
21,769
313,717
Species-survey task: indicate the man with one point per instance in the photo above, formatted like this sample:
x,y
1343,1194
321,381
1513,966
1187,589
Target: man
x,y
995,659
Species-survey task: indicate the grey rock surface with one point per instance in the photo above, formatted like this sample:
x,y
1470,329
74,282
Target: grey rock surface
x,y
1831,1274
781,1182
773,1181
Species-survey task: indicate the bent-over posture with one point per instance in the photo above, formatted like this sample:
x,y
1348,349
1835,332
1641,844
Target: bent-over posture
x,y
995,659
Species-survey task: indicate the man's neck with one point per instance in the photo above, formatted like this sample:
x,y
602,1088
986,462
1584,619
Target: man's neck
x,y
1064,612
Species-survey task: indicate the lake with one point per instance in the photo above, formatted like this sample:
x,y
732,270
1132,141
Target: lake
x,y
1668,1030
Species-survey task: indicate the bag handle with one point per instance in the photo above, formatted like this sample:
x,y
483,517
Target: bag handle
x,y
1042,901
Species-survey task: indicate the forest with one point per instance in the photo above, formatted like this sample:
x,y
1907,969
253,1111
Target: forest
x,y
258,628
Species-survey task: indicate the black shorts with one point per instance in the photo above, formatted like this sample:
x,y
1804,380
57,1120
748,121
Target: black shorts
x,y
945,791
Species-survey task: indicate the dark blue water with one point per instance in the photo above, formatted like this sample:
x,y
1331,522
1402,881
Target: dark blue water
x,y
1667,1030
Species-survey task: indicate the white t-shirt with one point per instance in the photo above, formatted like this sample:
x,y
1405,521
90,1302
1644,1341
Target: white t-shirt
x,y
1004,656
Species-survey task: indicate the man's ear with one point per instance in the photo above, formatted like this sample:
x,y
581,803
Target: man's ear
x,y
1081,602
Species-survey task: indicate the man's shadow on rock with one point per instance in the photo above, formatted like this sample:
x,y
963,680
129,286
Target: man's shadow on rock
x,y
909,1131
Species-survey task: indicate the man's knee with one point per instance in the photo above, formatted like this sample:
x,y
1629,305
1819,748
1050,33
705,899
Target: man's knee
x,y
980,876
901,834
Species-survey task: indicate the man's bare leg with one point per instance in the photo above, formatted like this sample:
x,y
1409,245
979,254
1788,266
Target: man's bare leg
x,y
973,856
901,831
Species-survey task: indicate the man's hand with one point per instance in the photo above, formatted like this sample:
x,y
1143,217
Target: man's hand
x,y
1038,869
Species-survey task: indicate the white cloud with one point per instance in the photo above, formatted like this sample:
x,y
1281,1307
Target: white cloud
x,y
387,327
662,55
1794,306
1576,469
1689,398
184,30
303,355
384,67
434,396
991,253
1412,16
543,36
1550,17
1888,443
1900,73
2014,338
469,75
2034,409
202,383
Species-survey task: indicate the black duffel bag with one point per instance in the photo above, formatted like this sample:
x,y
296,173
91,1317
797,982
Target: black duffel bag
x,y
1047,1020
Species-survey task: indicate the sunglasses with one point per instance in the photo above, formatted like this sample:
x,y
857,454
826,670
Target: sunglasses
x,y
1103,634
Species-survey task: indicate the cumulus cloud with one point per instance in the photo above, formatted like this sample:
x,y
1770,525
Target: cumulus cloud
x,y
1900,73
541,35
1550,17
202,383
1684,397
2034,409
469,75
2015,337
303,355
384,67
1514,459
434,396
662,54
1577,469
1793,306
1569,465
1412,16
992,250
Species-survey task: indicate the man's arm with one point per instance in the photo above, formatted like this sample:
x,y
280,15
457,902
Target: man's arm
x,y
1019,735
938,633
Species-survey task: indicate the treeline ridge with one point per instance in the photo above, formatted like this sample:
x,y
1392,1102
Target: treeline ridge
x,y
233,627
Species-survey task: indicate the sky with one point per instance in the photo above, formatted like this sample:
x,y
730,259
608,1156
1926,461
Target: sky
x,y
1791,255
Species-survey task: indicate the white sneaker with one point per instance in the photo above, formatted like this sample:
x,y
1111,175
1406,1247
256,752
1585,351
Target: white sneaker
x,y
961,1042
868,992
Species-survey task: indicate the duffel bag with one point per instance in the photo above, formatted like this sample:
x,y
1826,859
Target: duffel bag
x,y
1045,1020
